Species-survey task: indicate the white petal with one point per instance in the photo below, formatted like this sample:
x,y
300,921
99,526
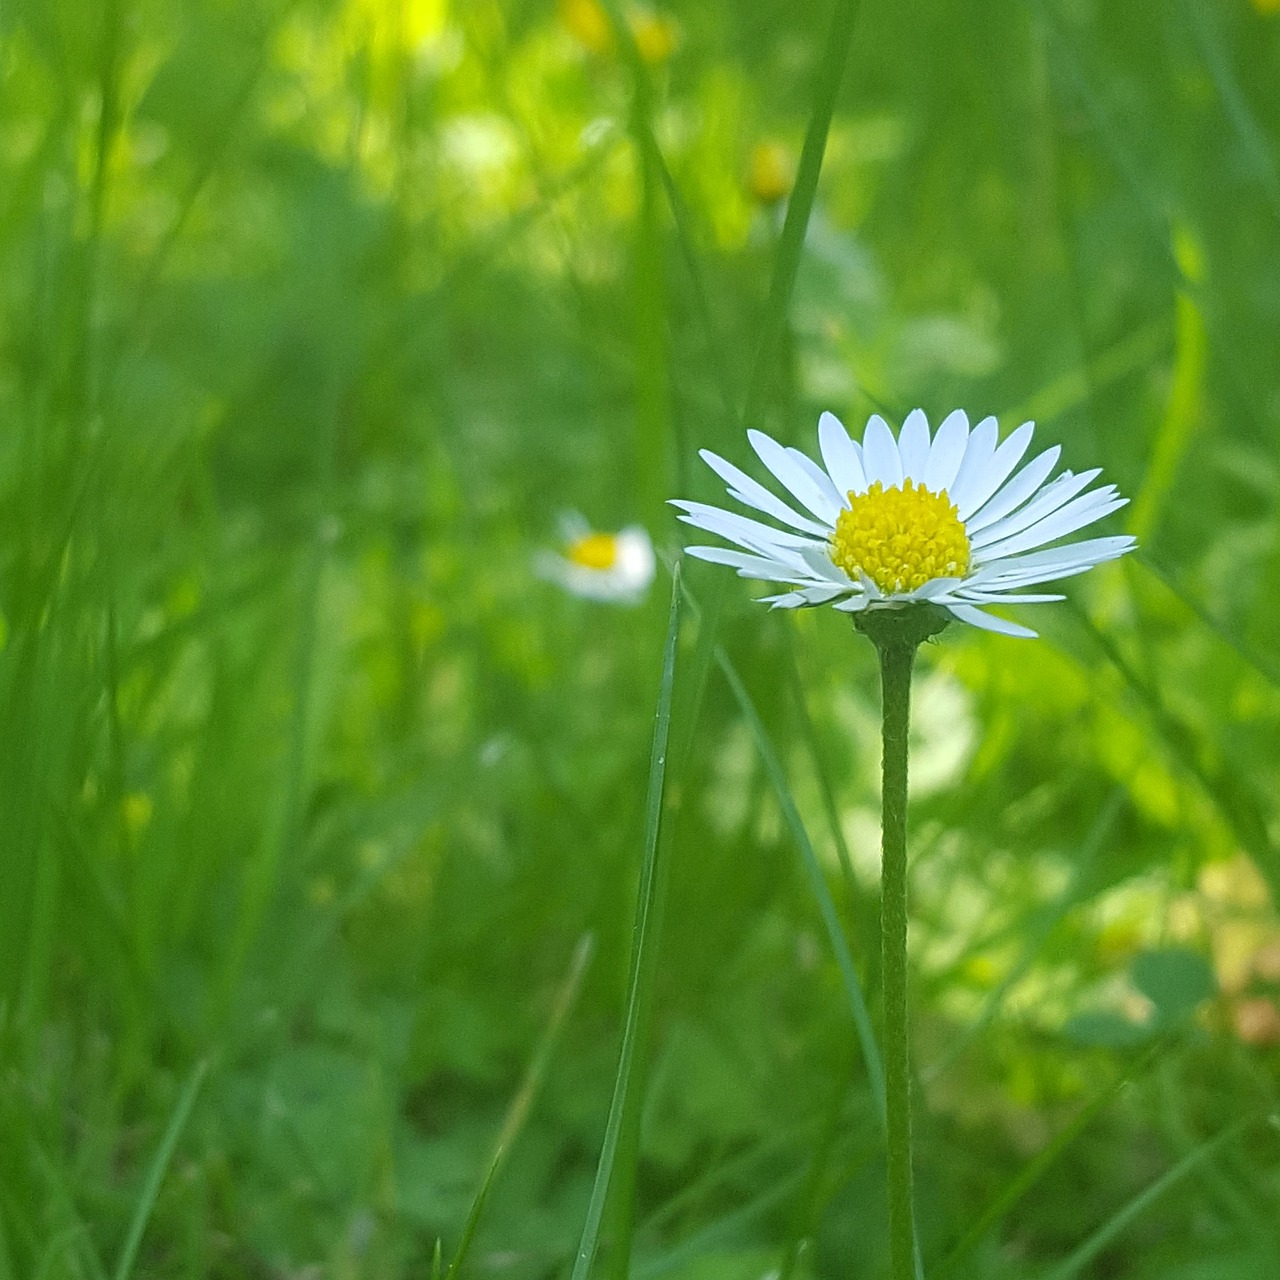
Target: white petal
x,y
818,561
1016,492
792,600
604,585
1051,564
746,533
765,568
753,494
823,594
989,622
880,458
913,445
835,499
842,457
572,525
974,466
869,586
1085,510
1049,499
937,587
792,477
1006,457
1038,577
854,604
1002,597
947,451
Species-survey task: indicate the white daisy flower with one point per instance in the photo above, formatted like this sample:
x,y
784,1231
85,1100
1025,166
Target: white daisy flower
x,y
613,567
941,520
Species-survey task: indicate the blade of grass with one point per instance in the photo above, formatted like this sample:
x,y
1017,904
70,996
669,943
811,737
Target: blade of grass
x,y
703,1242
473,1217
518,1110
1036,931
652,158
729,1227
7,1271
1184,412
1232,794
1137,351
56,1251
1095,1244
1260,663
811,1200
1217,1183
1037,1168
1235,105
1070,79
800,206
744,1166
704,655
566,998
64,1211
155,1174
701,299
826,904
626,1093
858,900
654,422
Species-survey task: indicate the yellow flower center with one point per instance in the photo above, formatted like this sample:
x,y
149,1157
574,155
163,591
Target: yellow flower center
x,y
594,551
900,538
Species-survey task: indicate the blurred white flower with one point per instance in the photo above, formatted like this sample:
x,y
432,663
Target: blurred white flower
x,y
916,519
614,567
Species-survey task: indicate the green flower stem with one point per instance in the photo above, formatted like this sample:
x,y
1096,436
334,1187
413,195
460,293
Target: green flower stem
x,y
896,635
896,661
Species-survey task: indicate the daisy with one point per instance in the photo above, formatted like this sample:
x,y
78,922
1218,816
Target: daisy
x,y
942,520
613,567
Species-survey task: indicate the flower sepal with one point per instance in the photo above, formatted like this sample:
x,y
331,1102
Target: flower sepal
x,y
904,627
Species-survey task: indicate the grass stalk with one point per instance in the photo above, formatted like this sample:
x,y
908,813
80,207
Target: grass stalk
x,y
1101,1238
624,1107
800,206
518,1110
1032,1172
155,1174
826,905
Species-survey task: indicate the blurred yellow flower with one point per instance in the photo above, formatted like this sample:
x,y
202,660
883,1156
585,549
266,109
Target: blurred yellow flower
x,y
656,35
770,172
587,22
1267,6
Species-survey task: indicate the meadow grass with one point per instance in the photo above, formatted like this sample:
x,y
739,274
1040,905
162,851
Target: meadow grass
x,y
334,843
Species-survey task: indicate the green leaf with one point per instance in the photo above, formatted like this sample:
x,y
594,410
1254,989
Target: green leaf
x,y
1175,980
1104,1030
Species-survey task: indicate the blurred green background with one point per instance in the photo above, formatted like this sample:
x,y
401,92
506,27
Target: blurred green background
x,y
320,812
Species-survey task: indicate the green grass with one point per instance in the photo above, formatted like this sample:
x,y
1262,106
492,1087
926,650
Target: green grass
x,y
314,315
